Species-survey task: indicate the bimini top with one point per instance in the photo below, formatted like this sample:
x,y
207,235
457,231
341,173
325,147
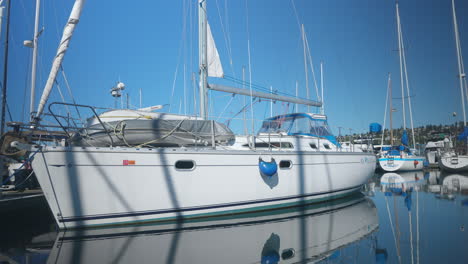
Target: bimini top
x,y
304,124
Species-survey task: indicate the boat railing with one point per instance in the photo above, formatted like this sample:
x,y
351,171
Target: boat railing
x,y
66,128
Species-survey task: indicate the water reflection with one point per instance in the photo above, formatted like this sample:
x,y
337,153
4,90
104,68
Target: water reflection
x,y
267,238
413,217
418,216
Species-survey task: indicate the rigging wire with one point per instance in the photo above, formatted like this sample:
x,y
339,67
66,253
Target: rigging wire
x,y
226,23
308,50
7,107
27,22
181,45
297,16
27,80
69,90
250,66
311,66
243,110
228,44
408,92
226,107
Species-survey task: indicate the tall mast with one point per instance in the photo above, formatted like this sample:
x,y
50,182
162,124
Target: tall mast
x,y
305,66
461,74
297,95
202,51
2,8
34,58
62,49
401,65
5,72
385,114
321,86
271,101
244,112
391,107
140,98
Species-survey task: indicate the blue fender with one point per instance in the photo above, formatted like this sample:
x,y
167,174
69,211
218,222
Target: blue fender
x,y
268,168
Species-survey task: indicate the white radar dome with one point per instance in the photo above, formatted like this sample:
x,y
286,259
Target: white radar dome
x,y
120,85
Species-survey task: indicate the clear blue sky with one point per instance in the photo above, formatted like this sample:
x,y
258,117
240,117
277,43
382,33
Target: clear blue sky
x,y
142,43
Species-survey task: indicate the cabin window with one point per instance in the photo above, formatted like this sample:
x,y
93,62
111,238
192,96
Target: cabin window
x,y
287,145
185,164
285,164
326,146
313,145
288,253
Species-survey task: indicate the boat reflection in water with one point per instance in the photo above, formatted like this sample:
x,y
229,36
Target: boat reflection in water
x,y
309,233
447,185
399,183
403,185
453,185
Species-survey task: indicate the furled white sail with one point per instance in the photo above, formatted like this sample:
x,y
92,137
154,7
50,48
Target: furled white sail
x,y
63,46
215,69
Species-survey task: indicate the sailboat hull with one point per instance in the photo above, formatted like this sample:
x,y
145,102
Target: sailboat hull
x,y
391,164
452,163
88,187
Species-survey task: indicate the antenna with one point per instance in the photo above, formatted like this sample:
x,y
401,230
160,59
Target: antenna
x,y
116,92
140,98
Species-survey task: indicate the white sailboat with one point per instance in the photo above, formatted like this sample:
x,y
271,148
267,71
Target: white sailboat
x,y
293,160
401,158
450,160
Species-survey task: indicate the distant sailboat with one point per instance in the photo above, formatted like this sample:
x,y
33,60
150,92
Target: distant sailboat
x,y
450,160
400,158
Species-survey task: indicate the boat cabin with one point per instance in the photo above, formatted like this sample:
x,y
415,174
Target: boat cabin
x,y
292,132
298,124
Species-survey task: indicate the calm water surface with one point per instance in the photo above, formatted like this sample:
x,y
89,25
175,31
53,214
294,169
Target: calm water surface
x,y
417,217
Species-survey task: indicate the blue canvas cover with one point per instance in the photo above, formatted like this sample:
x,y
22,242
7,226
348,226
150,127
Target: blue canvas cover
x,y
463,135
404,138
375,128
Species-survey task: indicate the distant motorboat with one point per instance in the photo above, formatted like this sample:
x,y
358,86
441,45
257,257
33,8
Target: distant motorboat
x,y
432,152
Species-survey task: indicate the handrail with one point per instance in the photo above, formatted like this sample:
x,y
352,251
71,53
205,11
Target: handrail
x,y
79,105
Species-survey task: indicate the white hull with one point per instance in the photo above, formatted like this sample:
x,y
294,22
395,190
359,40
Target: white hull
x,y
432,158
310,235
93,187
392,164
453,163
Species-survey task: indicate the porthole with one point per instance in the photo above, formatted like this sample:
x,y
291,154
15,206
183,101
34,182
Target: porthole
x,y
288,253
326,146
185,165
285,164
313,145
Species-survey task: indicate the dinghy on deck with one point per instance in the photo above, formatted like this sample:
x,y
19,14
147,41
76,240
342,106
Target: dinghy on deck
x,y
138,128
